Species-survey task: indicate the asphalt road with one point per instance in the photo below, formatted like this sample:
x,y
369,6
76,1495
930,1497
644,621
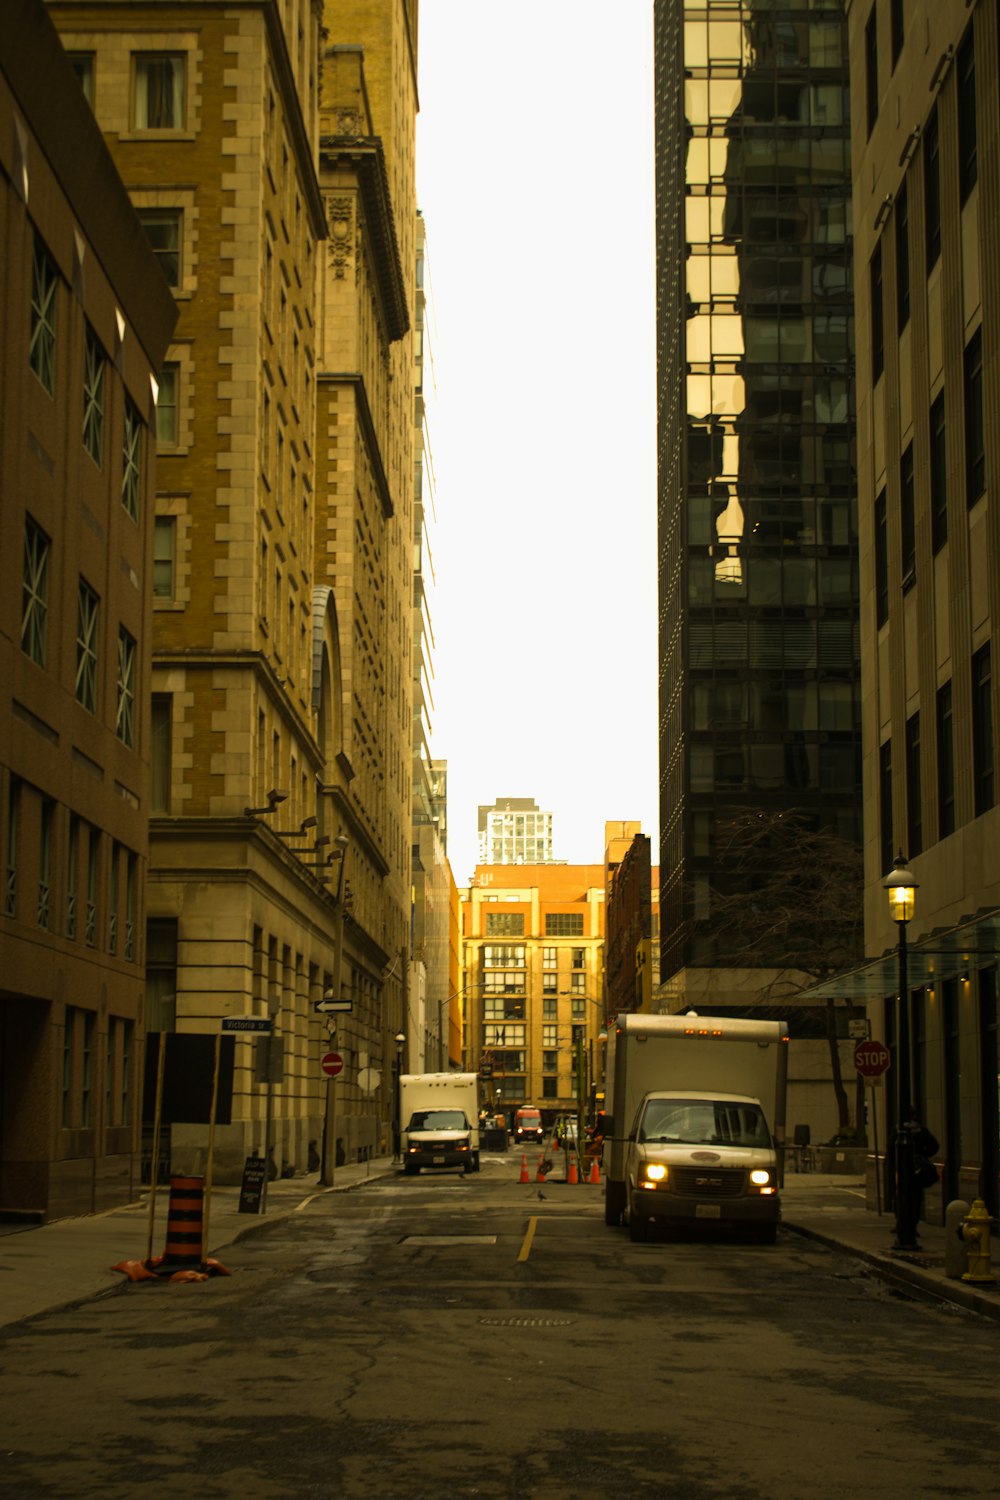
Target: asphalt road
x,y
448,1336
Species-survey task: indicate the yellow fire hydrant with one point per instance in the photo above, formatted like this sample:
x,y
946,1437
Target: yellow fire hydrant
x,y
976,1233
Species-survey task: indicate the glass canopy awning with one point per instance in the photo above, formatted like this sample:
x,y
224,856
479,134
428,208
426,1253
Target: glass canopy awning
x,y
945,953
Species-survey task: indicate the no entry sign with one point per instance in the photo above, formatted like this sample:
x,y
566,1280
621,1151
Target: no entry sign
x,y
332,1063
871,1059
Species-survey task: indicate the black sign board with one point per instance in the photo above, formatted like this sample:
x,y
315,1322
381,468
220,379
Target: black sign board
x,y
254,1172
189,1067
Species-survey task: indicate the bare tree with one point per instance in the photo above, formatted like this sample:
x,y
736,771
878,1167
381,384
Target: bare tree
x,y
788,897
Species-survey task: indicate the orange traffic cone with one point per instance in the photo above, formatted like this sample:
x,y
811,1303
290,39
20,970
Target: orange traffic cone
x,y
595,1172
524,1170
572,1175
540,1174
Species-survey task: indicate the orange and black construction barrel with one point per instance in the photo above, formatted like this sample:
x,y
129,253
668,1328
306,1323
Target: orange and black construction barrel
x,y
183,1248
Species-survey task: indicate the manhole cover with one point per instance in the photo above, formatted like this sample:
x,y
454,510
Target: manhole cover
x,y
525,1322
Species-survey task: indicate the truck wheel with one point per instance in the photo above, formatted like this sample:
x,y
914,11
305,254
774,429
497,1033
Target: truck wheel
x,y
614,1202
767,1234
638,1228
410,1171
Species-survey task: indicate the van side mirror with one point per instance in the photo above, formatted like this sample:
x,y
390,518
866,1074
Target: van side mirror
x,y
606,1124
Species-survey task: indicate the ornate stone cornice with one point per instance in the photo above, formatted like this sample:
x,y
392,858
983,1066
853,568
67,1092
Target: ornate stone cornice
x,y
364,155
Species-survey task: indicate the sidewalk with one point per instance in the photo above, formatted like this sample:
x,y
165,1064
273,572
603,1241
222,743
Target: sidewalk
x,y
58,1265
51,1266
831,1209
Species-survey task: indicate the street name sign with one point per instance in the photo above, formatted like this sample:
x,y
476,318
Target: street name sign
x,y
332,1063
871,1059
246,1023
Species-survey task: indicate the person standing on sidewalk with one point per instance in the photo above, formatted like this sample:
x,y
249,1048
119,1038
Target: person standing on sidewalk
x,y
925,1146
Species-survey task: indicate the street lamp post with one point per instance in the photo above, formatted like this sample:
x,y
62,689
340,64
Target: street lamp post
x,y
901,887
329,1153
397,1133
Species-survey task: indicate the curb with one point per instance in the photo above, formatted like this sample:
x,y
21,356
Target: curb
x,y
900,1273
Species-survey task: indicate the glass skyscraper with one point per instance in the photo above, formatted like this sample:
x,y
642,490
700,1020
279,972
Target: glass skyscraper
x,y
758,574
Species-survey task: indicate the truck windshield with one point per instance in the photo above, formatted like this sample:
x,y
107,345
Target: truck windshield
x,y
438,1119
703,1122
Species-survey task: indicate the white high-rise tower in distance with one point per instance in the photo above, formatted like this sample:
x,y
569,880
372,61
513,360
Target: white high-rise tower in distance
x,y
515,832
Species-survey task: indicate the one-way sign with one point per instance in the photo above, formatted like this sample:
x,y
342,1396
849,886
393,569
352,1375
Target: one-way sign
x,y
328,1004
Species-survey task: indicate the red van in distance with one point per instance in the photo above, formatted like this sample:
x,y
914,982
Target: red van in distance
x,y
528,1125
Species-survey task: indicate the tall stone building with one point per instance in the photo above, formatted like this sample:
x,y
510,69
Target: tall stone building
x,y
925,86
758,590
280,836
86,316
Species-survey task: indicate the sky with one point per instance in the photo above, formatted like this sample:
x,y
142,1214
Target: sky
x,y
535,178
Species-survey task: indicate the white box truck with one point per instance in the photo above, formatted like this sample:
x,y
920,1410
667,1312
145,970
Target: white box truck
x,y
439,1120
695,1122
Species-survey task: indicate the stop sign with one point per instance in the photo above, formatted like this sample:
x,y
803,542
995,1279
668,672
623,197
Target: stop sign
x,y
871,1059
332,1063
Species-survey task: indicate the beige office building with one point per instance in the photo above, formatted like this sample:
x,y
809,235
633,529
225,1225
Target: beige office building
x,y
281,678
925,102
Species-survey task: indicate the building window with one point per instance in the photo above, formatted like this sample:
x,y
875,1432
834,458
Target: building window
x,y
93,397
82,64
907,519
945,763
504,924
878,329
550,1087
42,345
968,167
72,857
164,538
897,28
116,852
502,955
159,91
87,1067
914,819
163,231
13,819
35,592
87,618
932,190
550,984
128,937
550,959
167,419
93,870
131,460
939,475
975,435
550,1007
881,561
47,816
871,69
982,731
902,227
125,687
885,804
564,924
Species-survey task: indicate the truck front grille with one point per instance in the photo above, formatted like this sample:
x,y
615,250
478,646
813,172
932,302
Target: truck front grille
x,y
708,1182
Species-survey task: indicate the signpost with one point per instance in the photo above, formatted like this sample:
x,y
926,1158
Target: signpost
x,y
254,1176
872,1059
328,1004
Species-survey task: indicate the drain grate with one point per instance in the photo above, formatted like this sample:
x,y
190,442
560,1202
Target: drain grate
x,y
526,1322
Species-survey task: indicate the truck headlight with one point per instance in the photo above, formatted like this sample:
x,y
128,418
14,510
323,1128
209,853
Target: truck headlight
x,y
654,1171
760,1178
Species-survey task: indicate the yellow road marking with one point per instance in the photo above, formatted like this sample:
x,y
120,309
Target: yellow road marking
x,y
525,1250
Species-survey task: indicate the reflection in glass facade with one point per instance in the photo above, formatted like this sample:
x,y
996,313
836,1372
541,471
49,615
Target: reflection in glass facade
x,y
759,685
